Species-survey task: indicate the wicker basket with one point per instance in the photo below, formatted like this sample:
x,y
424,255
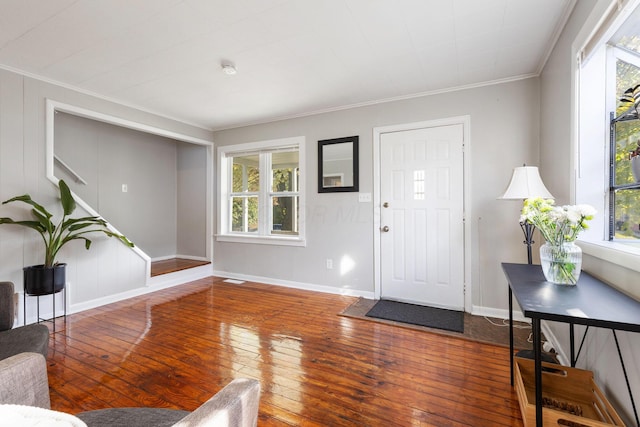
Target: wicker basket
x,y
570,397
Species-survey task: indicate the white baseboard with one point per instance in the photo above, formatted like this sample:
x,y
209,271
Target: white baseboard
x,y
46,307
498,313
296,285
562,356
518,316
180,277
156,283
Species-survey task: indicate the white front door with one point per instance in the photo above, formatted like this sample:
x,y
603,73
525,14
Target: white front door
x,y
421,216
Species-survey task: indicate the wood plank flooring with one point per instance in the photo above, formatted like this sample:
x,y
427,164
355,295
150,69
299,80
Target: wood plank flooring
x,y
177,347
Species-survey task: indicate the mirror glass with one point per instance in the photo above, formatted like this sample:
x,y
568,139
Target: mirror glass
x,y
338,165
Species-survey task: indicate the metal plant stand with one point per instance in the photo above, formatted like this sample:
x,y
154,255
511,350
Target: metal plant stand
x,y
53,299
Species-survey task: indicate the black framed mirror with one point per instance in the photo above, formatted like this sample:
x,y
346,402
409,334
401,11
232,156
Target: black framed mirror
x,y
338,165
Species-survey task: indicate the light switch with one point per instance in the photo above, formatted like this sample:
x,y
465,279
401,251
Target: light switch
x,y
364,197
124,188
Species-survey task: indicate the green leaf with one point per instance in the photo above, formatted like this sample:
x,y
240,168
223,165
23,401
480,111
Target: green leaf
x,y
80,226
120,237
84,223
45,221
66,199
30,224
25,198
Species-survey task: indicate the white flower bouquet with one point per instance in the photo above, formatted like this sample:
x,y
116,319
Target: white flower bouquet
x,y
558,225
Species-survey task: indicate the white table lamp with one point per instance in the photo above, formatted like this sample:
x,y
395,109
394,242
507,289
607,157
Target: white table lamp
x,y
526,183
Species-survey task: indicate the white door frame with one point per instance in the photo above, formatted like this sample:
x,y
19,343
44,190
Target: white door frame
x,y
465,121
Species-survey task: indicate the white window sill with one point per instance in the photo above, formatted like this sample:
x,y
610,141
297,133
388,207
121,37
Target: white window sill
x,y
262,240
623,254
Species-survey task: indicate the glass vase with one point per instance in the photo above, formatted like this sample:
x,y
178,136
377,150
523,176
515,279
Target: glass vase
x,y
561,264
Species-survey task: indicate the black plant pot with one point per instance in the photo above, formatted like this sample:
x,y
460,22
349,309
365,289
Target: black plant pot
x,y
41,280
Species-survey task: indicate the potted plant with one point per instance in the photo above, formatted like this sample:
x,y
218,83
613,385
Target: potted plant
x,y
48,278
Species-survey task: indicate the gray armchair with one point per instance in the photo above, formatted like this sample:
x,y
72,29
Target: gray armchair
x,y
29,338
23,381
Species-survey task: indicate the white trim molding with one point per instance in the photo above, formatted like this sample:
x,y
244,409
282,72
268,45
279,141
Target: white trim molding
x,y
295,285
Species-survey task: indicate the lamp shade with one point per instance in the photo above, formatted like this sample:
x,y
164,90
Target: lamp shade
x,y
526,183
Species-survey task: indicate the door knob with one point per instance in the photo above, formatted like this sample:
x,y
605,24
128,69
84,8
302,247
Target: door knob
x,y
385,205
385,229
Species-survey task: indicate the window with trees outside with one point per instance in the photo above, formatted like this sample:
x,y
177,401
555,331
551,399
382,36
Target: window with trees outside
x,y
261,192
605,131
624,174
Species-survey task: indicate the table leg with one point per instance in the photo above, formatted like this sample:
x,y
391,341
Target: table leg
x,y
53,297
537,351
572,349
511,333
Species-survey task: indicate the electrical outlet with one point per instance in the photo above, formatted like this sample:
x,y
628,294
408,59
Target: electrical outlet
x,y
329,264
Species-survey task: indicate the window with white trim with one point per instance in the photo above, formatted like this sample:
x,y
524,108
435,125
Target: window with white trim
x,y
608,127
624,173
262,192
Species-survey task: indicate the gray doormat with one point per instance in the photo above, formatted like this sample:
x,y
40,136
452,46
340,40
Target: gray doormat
x,y
431,317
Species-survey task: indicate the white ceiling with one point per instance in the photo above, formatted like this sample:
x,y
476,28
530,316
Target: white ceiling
x,y
294,57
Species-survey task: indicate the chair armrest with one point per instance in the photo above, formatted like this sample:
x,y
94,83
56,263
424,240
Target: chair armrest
x,y
236,405
24,381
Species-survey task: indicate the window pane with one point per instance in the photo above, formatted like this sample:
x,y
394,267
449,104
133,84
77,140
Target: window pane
x,y
246,175
627,214
628,34
627,76
285,215
626,202
418,184
284,171
244,215
627,140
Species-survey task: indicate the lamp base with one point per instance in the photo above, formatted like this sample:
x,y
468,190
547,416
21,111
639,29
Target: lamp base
x,y
528,229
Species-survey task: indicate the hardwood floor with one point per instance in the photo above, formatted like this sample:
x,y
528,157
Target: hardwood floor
x,y
177,347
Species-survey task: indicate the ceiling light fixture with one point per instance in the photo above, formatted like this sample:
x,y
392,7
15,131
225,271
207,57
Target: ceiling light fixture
x,y
228,69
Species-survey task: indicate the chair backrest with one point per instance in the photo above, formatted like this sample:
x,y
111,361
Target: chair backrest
x,y
24,381
7,310
236,405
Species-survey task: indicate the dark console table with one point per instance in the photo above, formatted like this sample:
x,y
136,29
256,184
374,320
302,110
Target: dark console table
x,y
591,302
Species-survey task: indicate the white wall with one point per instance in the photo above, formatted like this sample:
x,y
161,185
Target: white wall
x,y
599,353
504,134
108,156
192,230
109,267
164,209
